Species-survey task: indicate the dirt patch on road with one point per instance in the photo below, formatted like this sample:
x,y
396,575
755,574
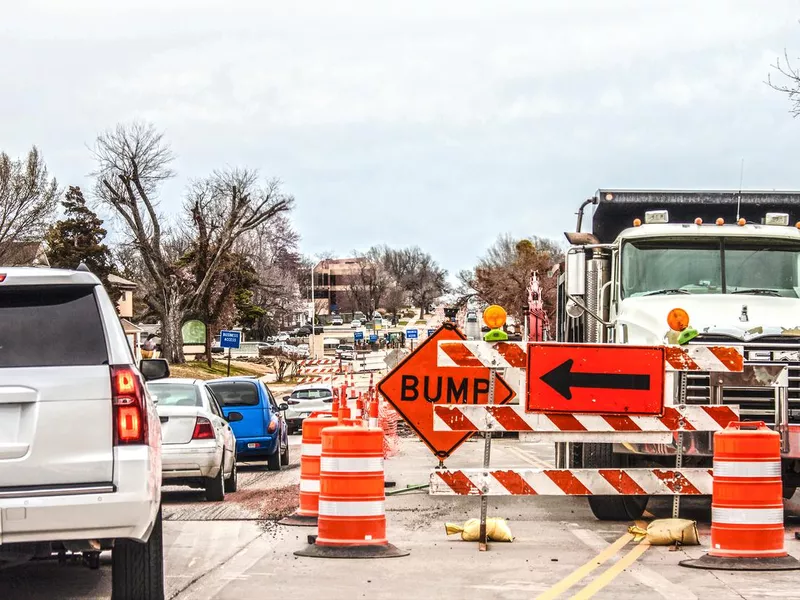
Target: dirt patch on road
x,y
268,504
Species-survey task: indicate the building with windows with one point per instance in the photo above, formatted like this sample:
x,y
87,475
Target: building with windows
x,y
334,280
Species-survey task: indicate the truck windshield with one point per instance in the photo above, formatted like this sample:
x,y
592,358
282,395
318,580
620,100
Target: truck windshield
x,y
720,266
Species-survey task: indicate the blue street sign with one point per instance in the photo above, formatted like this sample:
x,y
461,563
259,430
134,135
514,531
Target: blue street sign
x,y
230,339
431,332
358,335
373,338
412,334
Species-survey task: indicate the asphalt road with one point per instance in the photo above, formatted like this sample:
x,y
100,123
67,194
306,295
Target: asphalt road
x,y
235,549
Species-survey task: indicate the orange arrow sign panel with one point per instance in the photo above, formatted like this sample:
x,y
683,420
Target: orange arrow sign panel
x,y
418,382
609,379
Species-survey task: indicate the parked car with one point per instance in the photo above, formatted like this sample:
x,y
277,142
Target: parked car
x,y
261,434
472,317
346,352
80,439
355,324
337,321
305,330
283,336
198,447
304,400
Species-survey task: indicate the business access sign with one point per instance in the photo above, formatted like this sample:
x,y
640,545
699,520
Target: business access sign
x,y
600,379
418,382
230,339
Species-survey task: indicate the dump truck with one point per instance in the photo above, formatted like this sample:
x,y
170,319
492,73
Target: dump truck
x,y
730,260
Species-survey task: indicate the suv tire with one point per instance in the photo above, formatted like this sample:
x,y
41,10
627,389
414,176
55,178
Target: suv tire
x,y
215,486
232,482
611,508
137,571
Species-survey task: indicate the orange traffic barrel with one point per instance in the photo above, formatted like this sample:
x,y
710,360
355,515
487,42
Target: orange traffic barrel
x,y
310,454
352,519
747,530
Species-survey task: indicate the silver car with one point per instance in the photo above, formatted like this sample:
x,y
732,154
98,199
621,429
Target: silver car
x,y
198,447
304,400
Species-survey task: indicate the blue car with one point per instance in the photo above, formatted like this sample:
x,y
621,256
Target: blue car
x,y
261,433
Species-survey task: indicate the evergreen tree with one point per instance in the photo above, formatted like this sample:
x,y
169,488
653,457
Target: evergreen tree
x,y
78,237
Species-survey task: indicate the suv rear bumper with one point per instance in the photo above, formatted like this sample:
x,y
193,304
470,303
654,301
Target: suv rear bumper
x,y
129,511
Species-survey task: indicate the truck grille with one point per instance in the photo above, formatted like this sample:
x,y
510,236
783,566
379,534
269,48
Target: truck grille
x,y
756,404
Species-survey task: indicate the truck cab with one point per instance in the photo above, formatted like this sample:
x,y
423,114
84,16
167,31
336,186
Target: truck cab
x,y
731,261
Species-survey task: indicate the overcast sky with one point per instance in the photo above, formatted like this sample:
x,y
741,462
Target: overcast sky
x,y
440,124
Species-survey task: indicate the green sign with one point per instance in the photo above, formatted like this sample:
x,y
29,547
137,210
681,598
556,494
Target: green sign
x,y
194,332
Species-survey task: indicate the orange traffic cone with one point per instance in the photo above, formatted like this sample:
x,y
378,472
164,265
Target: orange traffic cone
x,y
352,518
747,531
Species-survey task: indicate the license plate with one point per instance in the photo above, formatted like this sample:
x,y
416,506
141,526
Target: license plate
x,y
253,445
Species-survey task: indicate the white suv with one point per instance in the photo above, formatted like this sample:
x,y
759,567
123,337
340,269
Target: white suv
x,y
80,440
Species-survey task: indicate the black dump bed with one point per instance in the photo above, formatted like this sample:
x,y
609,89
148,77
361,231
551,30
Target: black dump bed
x,y
616,209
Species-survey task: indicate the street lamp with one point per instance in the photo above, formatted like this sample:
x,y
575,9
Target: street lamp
x,y
313,310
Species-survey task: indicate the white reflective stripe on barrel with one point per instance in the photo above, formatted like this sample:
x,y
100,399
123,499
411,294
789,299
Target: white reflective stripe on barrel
x,y
311,449
339,464
309,485
725,468
370,508
746,516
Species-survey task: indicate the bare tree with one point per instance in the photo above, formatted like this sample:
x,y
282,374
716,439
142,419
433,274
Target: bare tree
x,y
28,200
789,81
425,279
133,161
502,274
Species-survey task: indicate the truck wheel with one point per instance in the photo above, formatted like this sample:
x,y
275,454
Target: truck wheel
x,y
137,570
575,455
611,508
215,486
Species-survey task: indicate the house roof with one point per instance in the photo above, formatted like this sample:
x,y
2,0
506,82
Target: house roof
x,y
121,282
129,327
24,254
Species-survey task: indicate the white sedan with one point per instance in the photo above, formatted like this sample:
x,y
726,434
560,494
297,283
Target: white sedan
x,y
198,447
305,400
355,324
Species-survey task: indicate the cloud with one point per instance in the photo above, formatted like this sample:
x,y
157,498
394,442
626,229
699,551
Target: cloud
x,y
431,123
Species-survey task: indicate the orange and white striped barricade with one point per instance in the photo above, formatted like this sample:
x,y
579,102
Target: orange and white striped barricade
x,y
631,429
571,482
514,355
352,518
747,532
311,451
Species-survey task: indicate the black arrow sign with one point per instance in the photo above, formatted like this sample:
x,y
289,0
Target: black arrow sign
x,y
562,380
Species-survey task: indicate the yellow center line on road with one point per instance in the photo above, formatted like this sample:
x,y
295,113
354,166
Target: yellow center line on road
x,y
581,572
612,572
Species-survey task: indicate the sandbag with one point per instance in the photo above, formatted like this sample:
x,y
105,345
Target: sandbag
x,y
665,532
497,530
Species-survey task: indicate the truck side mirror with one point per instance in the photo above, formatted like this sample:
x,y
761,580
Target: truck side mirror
x,y
576,272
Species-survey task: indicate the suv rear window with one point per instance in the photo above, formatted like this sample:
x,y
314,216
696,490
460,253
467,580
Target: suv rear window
x,y
235,393
50,326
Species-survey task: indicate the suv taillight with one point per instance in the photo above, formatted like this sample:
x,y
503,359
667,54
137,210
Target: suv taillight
x,y
130,417
203,429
